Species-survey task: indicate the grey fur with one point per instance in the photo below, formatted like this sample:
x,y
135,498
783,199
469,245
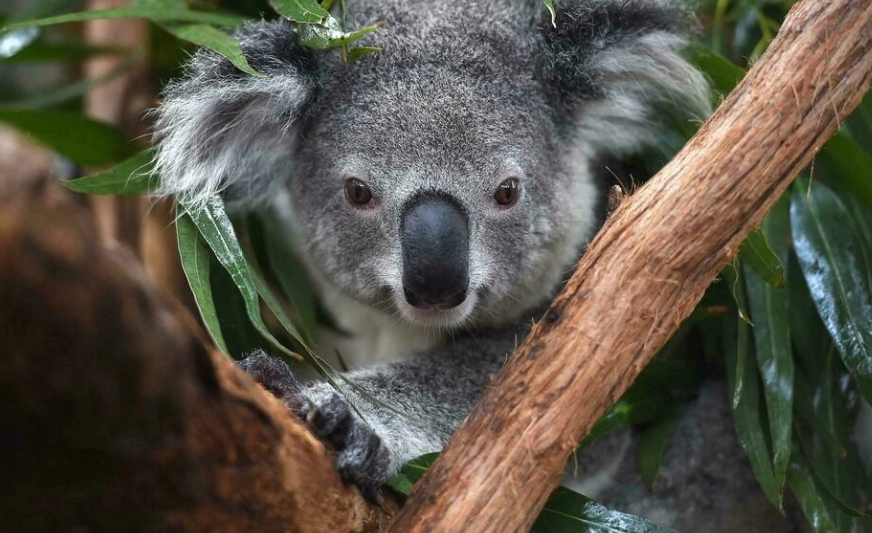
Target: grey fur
x,y
464,95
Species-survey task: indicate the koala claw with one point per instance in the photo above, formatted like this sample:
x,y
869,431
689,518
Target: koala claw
x,y
362,459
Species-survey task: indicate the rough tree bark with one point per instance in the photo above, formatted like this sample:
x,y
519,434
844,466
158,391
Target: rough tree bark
x,y
113,415
644,274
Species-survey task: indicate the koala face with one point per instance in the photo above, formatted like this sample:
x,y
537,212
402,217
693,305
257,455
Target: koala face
x,y
440,199
445,180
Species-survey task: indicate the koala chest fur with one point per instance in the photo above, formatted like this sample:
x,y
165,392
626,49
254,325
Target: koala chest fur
x,y
437,191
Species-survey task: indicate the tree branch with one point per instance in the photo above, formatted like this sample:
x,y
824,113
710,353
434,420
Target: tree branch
x,y
113,415
645,273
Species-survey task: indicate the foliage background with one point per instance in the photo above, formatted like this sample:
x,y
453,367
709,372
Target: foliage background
x,y
790,323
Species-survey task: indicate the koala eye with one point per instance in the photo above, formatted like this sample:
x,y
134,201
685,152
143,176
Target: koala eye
x,y
508,192
357,192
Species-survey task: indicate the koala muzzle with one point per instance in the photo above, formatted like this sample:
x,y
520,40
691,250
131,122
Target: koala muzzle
x,y
435,242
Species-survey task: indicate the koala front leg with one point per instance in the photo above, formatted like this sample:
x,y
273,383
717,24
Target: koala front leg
x,y
406,408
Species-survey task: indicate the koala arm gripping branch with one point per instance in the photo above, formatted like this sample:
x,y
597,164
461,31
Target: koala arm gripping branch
x,y
401,410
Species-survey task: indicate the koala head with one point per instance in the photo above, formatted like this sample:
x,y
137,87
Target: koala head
x,y
447,178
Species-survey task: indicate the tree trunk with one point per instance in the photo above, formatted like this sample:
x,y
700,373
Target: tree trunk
x,y
644,274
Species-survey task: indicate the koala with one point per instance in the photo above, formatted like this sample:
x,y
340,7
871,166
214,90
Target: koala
x,y
438,193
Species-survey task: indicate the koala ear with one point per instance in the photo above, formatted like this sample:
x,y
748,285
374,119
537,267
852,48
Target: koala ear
x,y
220,129
614,63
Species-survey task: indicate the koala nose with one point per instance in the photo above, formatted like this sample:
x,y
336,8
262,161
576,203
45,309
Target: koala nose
x,y
435,240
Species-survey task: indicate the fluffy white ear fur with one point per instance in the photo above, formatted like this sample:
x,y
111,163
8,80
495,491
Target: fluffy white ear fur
x,y
215,133
645,74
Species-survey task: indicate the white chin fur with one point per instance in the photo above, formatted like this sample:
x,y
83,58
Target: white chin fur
x,y
443,318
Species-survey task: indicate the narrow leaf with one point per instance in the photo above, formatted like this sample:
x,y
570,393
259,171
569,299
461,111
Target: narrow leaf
x,y
550,5
803,486
40,52
836,270
218,233
71,134
848,164
748,416
568,511
195,263
155,14
359,52
769,313
133,176
301,11
652,444
215,40
756,254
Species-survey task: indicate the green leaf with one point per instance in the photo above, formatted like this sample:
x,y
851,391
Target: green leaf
x,y
652,444
155,14
71,134
848,164
67,52
550,5
359,52
72,91
859,124
803,486
322,38
567,511
133,176
629,411
723,73
218,233
301,11
830,252
756,254
292,277
213,39
195,263
748,416
411,472
240,335
769,314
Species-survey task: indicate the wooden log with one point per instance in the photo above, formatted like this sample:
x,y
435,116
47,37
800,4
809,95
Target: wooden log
x,y
644,274
115,417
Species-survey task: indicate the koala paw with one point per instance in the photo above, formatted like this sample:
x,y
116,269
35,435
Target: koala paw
x,y
362,459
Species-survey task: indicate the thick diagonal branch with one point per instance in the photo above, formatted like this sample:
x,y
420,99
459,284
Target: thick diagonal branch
x,y
644,274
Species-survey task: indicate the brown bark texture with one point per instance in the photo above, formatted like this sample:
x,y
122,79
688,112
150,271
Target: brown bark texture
x,y
113,415
644,274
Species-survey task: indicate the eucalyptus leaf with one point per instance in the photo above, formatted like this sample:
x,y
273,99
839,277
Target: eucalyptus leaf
x,y
748,416
195,262
213,39
71,134
550,5
321,38
652,443
40,52
803,486
301,11
359,52
848,164
567,511
769,314
217,231
292,277
72,91
831,256
155,14
758,255
133,176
